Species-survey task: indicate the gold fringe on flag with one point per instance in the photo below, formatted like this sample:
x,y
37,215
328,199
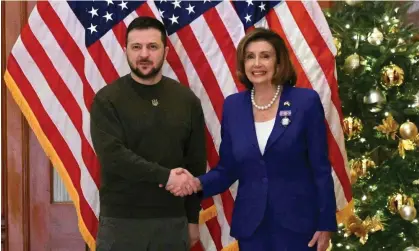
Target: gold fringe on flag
x,y
207,214
234,246
343,215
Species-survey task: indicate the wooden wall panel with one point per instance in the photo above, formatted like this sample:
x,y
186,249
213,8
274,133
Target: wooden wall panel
x,y
17,142
14,141
3,134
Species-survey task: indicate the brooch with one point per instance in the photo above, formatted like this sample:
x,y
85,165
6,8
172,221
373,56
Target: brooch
x,y
154,102
285,121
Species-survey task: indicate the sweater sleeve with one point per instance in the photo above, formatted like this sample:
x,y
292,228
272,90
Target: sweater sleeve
x,y
108,141
195,159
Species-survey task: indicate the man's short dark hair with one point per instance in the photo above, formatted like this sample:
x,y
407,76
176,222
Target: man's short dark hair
x,y
144,23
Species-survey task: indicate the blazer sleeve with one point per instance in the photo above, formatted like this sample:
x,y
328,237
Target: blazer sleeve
x,y
319,161
220,178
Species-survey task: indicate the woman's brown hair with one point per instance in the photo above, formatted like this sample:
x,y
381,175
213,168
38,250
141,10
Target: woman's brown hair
x,y
285,73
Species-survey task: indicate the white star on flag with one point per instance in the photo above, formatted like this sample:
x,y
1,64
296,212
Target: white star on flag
x,y
174,19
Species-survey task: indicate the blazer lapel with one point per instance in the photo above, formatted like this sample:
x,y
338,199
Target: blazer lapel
x,y
249,122
284,114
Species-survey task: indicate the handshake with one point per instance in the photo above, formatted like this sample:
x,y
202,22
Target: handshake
x,y
182,183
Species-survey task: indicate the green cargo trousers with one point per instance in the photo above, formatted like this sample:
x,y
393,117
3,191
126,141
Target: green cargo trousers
x,y
158,234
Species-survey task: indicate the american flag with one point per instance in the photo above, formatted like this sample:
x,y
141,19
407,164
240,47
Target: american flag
x,y
70,50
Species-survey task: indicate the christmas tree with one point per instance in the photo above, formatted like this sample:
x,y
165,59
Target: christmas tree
x,y
377,71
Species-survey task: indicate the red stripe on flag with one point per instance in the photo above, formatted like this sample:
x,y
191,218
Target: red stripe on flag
x,y
224,41
176,65
213,225
120,30
64,96
337,162
68,45
319,48
197,247
60,146
250,28
335,155
103,62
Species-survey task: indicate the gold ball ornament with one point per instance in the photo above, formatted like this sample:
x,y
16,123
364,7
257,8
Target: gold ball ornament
x,y
353,2
392,75
354,176
408,130
411,248
353,64
338,45
352,127
375,100
375,37
408,212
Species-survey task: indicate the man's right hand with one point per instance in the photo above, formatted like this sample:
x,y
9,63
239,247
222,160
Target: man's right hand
x,y
182,183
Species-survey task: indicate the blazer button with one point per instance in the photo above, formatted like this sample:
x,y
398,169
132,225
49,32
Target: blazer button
x,y
265,180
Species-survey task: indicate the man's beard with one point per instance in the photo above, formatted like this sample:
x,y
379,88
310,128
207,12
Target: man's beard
x,y
154,71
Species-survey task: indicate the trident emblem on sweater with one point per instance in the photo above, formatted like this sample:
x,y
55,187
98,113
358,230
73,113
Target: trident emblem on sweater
x,y
154,102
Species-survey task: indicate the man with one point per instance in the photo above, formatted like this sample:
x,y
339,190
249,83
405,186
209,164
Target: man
x,y
144,128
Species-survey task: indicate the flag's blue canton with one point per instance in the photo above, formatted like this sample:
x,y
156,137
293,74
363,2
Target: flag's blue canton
x,y
98,17
177,14
251,12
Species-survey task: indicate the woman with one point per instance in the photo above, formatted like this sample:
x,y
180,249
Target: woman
x,y
274,143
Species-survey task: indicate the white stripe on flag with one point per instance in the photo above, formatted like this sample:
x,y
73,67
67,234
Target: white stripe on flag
x,y
206,239
128,19
262,23
231,21
215,57
226,239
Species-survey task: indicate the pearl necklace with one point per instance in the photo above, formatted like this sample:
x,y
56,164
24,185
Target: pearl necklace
x,y
265,107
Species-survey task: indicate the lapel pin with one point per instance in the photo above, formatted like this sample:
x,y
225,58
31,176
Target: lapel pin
x,y
287,103
285,121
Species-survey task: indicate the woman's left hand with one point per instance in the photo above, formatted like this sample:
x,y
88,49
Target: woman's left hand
x,y
322,238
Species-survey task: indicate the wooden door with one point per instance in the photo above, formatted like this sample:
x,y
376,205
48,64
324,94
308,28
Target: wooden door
x,y
36,212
